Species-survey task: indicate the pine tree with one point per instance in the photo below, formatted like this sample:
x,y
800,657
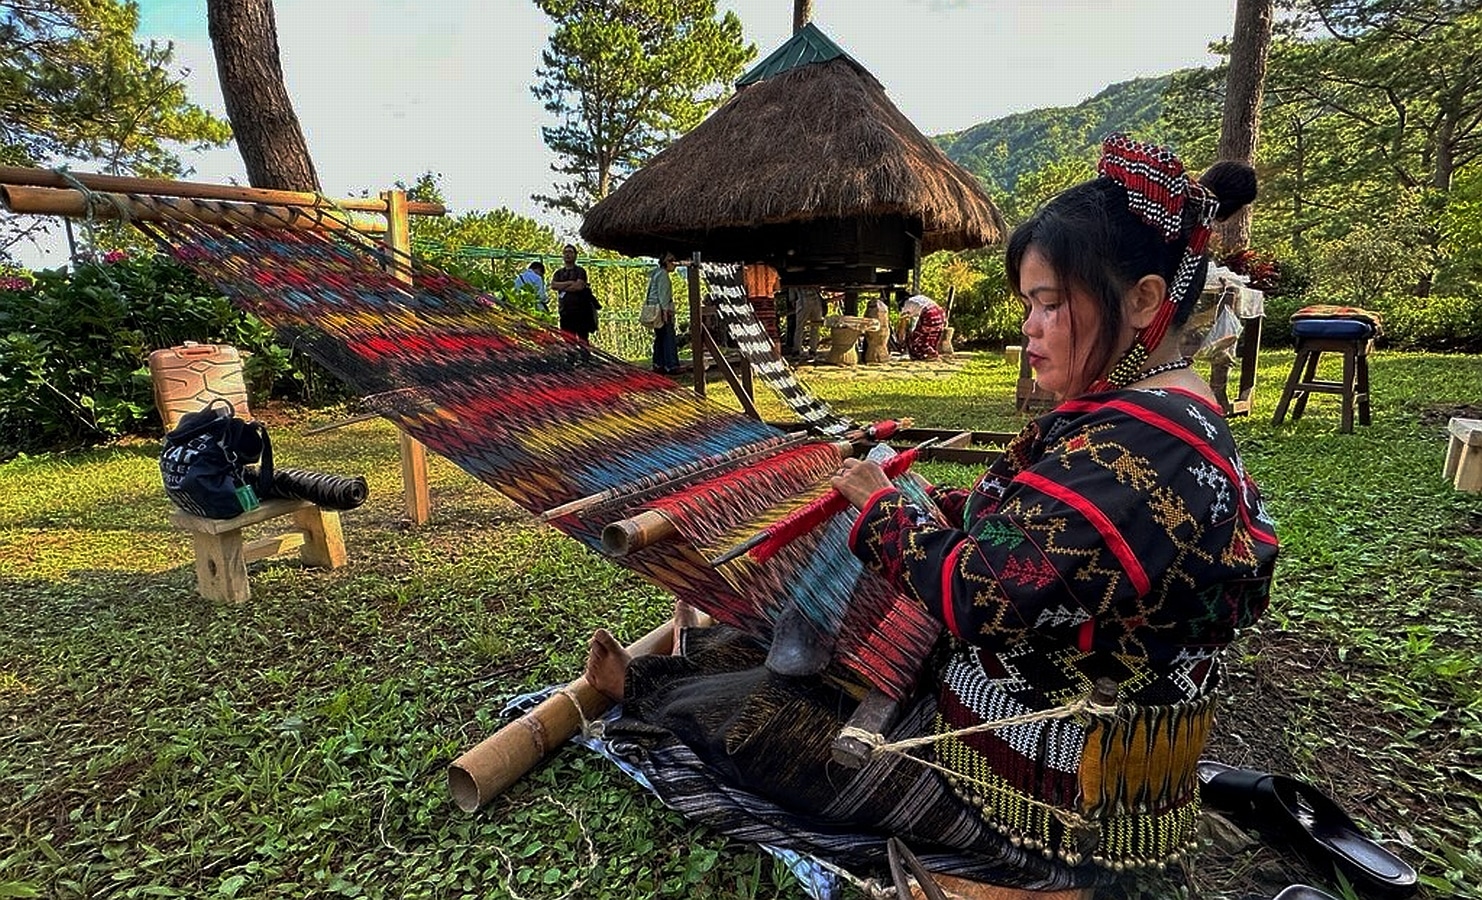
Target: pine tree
x,y
624,78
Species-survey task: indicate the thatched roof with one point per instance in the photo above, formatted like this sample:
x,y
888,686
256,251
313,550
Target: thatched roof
x,y
805,142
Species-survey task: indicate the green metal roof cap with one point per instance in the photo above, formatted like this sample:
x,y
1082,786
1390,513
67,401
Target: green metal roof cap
x,y
806,47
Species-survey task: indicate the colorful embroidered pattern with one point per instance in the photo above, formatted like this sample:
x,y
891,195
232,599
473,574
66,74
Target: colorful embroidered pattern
x,y
1094,589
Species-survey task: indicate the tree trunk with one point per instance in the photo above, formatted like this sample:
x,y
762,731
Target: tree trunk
x,y
245,37
1240,127
802,11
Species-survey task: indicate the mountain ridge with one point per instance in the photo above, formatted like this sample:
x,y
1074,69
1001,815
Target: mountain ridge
x,y
1002,150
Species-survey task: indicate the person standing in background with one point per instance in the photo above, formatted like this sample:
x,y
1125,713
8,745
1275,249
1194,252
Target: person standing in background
x,y
577,304
661,294
762,284
808,314
533,278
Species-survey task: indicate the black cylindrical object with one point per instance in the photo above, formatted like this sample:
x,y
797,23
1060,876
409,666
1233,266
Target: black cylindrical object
x,y
321,488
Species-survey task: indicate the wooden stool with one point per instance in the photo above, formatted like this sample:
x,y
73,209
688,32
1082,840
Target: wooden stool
x,y
222,556
1464,454
1303,381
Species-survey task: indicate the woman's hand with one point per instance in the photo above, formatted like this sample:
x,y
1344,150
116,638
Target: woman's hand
x,y
858,481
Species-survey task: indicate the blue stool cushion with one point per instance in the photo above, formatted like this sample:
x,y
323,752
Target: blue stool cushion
x,y
1332,328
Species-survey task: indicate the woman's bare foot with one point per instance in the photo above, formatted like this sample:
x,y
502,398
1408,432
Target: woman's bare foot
x,y
607,665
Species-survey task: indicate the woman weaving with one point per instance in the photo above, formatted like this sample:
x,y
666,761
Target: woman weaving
x,y
1118,538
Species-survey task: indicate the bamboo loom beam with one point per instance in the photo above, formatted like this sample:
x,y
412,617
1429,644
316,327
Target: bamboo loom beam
x,y
72,203
651,526
18,175
504,757
695,471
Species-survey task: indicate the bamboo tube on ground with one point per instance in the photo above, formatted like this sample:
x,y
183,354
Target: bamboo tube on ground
x,y
20,175
501,759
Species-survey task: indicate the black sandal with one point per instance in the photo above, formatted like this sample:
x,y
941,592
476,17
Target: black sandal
x,y
1299,815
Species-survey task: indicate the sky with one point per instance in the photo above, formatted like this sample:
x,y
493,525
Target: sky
x,y
388,89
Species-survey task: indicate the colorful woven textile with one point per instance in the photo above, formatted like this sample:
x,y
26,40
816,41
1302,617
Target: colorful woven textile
x,y
733,746
1321,311
547,420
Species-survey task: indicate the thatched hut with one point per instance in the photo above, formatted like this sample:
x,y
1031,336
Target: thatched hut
x,y
809,167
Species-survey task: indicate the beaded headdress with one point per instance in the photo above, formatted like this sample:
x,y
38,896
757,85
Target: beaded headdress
x,y
1158,189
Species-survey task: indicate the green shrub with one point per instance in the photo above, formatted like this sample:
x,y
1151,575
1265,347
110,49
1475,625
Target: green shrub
x,y
74,348
1437,324
987,314
982,309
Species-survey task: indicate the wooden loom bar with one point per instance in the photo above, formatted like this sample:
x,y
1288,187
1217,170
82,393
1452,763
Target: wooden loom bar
x,y
673,476
482,773
74,204
18,175
651,526
413,453
740,389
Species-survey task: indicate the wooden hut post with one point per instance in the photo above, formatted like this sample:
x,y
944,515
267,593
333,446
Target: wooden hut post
x,y
413,453
915,265
697,325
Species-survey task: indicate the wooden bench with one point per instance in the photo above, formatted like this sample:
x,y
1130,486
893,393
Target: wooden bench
x,y
222,556
1464,454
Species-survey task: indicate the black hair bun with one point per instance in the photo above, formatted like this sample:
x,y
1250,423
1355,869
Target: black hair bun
x,y
1234,183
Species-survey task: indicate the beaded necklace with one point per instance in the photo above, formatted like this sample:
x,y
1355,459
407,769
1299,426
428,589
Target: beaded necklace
x,y
1173,365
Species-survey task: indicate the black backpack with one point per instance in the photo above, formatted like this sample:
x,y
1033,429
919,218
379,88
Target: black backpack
x,y
204,462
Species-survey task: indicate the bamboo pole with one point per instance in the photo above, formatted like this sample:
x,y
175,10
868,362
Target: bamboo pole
x,y
18,175
702,467
74,204
651,526
636,532
504,757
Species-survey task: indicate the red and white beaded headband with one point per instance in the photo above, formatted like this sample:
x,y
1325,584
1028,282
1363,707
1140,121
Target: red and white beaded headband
x,y
1157,191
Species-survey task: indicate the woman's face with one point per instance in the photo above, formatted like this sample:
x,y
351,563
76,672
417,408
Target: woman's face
x,y
1062,325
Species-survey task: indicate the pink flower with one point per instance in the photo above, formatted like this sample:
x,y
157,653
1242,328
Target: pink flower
x,y
113,256
11,283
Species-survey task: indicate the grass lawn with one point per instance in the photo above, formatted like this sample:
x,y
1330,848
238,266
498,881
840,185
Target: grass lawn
x,y
153,744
